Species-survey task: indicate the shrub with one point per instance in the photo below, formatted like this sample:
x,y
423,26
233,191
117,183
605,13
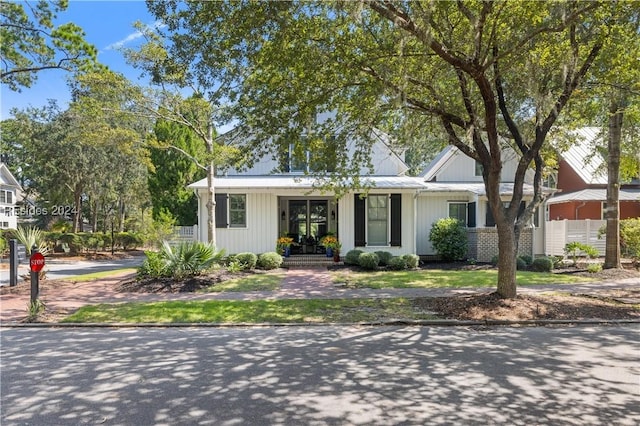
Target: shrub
x,y
368,261
542,264
270,260
247,259
384,257
153,266
189,258
526,258
630,238
411,260
351,258
594,267
129,240
398,263
30,237
449,238
494,260
521,265
575,248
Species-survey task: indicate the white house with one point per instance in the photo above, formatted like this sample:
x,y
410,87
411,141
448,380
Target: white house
x,y
9,188
256,206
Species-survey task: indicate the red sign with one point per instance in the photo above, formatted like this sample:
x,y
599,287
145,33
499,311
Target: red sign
x,y
37,262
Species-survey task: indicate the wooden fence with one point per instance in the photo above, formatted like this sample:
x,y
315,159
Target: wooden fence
x,y
560,232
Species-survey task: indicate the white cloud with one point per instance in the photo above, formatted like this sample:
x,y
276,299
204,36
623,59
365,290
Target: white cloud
x,y
132,37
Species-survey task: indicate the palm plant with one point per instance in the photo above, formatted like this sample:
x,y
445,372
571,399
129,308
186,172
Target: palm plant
x,y
189,258
30,237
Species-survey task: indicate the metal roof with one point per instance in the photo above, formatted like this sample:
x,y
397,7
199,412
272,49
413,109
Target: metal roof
x,y
584,159
474,188
438,162
594,195
304,182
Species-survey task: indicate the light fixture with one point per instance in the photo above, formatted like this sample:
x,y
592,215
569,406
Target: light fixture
x,y
283,215
333,215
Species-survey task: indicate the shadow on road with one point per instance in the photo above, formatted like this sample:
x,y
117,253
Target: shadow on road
x,y
321,375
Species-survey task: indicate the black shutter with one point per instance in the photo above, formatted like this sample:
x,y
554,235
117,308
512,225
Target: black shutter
x,y
490,221
471,215
221,211
396,220
359,221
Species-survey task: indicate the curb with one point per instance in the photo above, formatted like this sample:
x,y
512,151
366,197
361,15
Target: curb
x,y
431,323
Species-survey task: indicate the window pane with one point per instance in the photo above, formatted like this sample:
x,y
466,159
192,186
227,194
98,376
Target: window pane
x,y
377,226
478,171
458,211
3,197
237,210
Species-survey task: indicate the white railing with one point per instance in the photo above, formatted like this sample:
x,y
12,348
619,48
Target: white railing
x,y
560,232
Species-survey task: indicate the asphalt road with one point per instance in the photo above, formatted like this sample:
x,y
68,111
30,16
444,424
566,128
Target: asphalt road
x,y
59,269
321,376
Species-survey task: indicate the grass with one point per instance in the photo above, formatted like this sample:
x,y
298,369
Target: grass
x,y
260,311
257,282
446,279
98,275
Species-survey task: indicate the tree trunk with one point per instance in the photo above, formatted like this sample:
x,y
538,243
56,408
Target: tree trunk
x,y
77,201
612,212
121,215
211,203
94,216
506,260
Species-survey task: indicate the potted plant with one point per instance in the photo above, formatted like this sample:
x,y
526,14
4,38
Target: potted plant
x,y
283,246
331,243
336,251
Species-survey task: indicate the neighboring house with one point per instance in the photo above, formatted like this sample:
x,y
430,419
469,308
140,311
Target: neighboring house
x,y
9,189
582,184
256,206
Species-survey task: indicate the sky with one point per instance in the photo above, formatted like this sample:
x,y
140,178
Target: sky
x,y
108,25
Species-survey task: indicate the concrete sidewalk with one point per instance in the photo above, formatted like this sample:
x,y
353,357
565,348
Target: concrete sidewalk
x,y
303,283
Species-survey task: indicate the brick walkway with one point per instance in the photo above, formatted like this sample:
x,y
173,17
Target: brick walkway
x,y
299,283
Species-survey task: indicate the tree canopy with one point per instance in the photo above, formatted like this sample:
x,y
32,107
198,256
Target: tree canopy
x,y
488,74
30,42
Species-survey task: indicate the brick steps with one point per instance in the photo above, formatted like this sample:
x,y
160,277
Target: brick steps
x,y
309,260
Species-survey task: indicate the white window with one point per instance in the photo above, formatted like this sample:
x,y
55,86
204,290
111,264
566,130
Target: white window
x,y
458,211
8,211
478,170
377,220
237,210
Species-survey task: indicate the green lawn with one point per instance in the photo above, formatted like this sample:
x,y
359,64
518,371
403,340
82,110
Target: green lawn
x,y
257,282
260,311
99,275
442,278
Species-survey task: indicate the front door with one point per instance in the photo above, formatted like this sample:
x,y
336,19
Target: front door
x,y
308,220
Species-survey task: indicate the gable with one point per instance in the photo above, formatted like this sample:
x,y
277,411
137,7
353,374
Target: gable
x,y
583,160
384,160
6,177
451,165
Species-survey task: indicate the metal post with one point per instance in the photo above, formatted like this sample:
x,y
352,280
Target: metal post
x,y
13,262
35,284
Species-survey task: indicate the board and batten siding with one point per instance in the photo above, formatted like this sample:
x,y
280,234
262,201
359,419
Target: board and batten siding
x,y
431,208
462,169
261,232
408,231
